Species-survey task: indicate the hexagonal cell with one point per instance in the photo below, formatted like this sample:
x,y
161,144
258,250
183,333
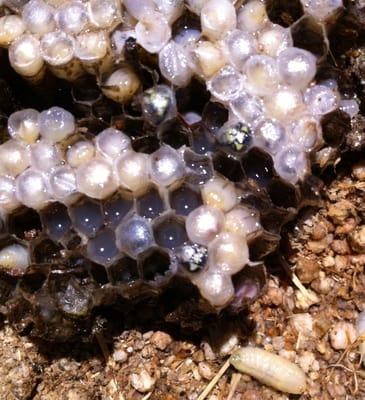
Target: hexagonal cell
x,y
228,166
116,207
258,166
150,205
99,274
46,251
309,35
125,270
184,200
155,263
169,232
174,133
214,116
56,221
87,216
193,257
166,166
335,125
202,140
134,235
282,193
102,248
24,222
14,255
146,144
199,168
284,12
32,281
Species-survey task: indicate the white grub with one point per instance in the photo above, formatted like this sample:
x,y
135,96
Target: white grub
x,y
285,103
291,164
23,125
72,17
104,13
247,108
38,17
80,153
217,18
208,57
92,49
252,16
195,5
242,221
58,50
297,67
220,193
131,170
171,9
56,124
11,27
138,9
274,39
270,369
44,156
32,189
262,75
166,166
62,183
95,179
14,256
216,287
111,142
321,99
342,335
153,32
227,84
121,85
25,56
270,135
306,132
14,157
203,224
239,46
360,331
8,201
228,253
175,64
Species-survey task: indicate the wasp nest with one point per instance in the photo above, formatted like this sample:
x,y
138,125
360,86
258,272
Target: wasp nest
x,y
192,193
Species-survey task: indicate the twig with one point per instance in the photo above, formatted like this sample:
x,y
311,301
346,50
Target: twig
x,y
214,381
234,383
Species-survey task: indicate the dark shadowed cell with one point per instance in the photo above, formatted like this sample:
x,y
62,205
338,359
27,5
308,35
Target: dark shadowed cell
x,y
24,222
125,270
202,140
102,248
200,168
99,274
215,115
56,220
228,166
155,263
284,12
150,205
87,217
146,144
184,200
32,281
169,232
115,208
258,166
45,251
174,133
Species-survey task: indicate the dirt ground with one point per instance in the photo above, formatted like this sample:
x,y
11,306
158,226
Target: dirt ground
x,y
310,320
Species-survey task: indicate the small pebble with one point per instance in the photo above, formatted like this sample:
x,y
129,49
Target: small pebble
x,y
120,356
358,171
342,335
161,340
142,382
357,239
205,370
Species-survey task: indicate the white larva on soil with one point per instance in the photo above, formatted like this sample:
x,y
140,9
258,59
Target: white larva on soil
x,y
270,369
